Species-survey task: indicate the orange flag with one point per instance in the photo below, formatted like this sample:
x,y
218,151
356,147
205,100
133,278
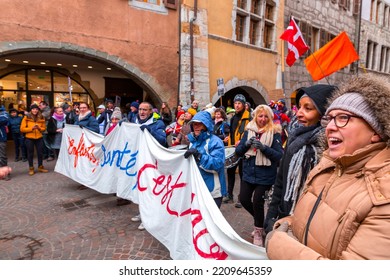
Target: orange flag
x,y
335,55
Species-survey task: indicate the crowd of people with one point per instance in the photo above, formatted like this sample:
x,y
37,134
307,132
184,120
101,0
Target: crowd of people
x,y
323,164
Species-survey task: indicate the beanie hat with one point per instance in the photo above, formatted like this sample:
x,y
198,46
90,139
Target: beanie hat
x,y
12,110
134,104
181,112
116,113
356,104
34,106
319,94
192,111
239,97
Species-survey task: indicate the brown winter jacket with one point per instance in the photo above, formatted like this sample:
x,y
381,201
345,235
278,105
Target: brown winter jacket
x,y
27,127
352,220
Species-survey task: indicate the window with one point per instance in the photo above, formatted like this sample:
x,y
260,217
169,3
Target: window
x,y
255,22
158,6
171,4
371,55
240,27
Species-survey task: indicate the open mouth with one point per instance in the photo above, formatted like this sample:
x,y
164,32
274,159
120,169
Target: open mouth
x,y
333,141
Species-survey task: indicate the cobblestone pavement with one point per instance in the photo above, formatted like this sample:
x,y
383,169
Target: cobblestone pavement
x,y
49,216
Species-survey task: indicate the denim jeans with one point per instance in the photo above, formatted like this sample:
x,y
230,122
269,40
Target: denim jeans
x,y
19,145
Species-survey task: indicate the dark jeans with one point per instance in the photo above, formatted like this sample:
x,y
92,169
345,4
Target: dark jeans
x,y
231,176
252,199
19,145
38,144
3,154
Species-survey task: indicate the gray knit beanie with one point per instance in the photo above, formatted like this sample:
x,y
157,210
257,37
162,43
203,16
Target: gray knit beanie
x,y
117,113
356,104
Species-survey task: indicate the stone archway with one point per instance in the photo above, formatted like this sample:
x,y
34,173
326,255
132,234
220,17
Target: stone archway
x,y
146,81
253,88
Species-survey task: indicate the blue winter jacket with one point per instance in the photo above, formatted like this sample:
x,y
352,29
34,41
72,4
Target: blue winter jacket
x,y
14,124
260,175
157,129
88,122
3,123
212,160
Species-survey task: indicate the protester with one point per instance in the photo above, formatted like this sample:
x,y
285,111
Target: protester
x,y
4,118
261,149
85,118
106,115
102,124
194,108
174,129
33,125
221,127
69,113
132,116
209,153
55,128
46,113
116,116
344,210
182,137
237,127
303,151
166,114
156,128
14,126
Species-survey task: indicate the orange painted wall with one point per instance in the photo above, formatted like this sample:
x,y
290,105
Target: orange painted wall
x,y
145,39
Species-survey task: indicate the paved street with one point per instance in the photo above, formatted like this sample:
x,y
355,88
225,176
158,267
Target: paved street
x,y
50,217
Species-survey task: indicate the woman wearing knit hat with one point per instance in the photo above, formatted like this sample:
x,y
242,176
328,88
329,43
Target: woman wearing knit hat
x,y
302,152
344,212
33,124
116,116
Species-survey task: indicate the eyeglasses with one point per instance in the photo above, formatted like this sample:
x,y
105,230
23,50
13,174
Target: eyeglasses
x,y
339,120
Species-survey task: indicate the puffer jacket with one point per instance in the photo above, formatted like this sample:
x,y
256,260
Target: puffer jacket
x,y
352,220
27,127
212,161
260,175
89,122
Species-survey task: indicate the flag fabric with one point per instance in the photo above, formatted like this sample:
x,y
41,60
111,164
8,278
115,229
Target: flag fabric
x,y
296,44
335,55
175,204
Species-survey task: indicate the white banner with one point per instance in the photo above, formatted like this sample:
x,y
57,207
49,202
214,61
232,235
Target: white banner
x,y
175,205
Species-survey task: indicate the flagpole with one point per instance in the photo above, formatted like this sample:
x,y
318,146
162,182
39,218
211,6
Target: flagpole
x,y
319,66
282,53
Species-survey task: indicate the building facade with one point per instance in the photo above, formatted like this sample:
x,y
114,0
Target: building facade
x,y
235,41
320,22
89,51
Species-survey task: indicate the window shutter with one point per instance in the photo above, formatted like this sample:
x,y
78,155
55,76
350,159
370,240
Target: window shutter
x,y
171,4
356,7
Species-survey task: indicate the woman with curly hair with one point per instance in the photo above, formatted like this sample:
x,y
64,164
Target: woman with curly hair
x,y
261,149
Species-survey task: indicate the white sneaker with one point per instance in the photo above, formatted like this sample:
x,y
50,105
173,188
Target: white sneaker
x,y
141,227
136,218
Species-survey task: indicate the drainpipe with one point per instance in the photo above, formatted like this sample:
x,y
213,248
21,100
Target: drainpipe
x,y
192,50
358,36
179,52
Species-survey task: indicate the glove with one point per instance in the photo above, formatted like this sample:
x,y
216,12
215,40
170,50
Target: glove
x,y
81,126
258,145
193,152
249,142
283,227
144,126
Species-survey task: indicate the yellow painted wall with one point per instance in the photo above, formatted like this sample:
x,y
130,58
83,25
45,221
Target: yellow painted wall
x,y
228,59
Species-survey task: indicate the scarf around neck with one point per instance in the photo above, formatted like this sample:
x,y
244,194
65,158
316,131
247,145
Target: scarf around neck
x,y
266,138
305,152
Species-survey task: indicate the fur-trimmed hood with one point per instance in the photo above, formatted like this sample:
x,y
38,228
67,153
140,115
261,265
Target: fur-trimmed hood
x,y
376,91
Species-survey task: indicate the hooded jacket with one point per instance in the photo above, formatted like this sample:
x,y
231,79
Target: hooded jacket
x,y
352,194
212,160
3,123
